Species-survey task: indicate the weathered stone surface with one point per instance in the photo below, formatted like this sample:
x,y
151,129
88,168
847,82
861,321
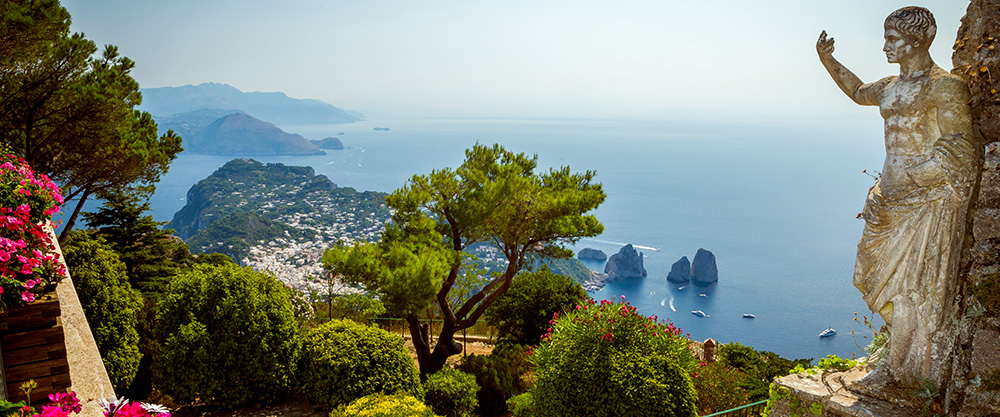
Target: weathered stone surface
x,y
680,271
833,392
590,254
989,189
703,268
625,264
986,224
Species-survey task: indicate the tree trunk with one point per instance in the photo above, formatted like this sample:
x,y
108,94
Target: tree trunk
x,y
72,219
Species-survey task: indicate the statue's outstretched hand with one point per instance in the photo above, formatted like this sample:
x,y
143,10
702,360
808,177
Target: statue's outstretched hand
x,y
824,46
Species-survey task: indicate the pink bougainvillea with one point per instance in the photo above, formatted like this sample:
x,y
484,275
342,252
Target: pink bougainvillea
x,y
28,260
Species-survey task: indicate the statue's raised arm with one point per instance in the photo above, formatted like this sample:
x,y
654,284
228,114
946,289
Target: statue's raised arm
x,y
845,79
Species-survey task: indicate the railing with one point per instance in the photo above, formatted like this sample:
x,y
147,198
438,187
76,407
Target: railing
x,y
748,410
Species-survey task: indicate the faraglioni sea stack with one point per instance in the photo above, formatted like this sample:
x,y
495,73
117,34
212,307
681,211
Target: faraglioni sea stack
x,y
627,263
703,269
680,271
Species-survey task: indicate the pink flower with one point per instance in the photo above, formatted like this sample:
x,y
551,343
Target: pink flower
x,y
27,296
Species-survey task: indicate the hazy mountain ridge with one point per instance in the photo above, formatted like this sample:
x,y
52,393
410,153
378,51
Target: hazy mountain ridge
x,y
242,134
274,107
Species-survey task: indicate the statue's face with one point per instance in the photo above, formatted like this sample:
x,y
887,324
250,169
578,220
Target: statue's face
x,y
897,47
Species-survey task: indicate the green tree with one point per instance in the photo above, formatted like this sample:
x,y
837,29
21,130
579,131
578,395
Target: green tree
x,y
494,196
229,337
150,252
110,304
71,115
522,315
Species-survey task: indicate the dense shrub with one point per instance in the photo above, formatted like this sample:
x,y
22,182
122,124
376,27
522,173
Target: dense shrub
x,y
607,360
110,304
522,405
451,393
720,387
499,376
229,337
760,367
343,361
522,314
381,405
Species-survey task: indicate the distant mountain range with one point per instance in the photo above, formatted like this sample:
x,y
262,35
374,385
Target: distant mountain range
x,y
275,107
218,119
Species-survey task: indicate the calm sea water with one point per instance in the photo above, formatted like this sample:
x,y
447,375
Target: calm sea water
x,y
776,206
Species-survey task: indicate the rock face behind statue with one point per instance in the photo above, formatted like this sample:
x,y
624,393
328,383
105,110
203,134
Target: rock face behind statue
x,y
680,271
625,264
703,269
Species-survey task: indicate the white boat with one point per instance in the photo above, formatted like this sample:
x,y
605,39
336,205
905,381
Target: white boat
x,y
699,313
749,316
828,332
703,295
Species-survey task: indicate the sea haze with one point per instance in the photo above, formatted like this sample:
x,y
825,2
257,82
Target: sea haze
x,y
776,205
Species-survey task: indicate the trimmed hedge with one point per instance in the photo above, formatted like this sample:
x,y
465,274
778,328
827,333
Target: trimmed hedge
x,y
381,405
343,361
229,337
451,393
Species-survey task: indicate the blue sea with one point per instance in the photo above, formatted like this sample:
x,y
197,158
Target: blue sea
x,y
776,205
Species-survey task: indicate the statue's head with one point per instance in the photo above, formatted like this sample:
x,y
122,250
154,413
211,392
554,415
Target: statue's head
x,y
908,30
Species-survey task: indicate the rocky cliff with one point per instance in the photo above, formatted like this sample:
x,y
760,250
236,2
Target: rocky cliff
x,y
625,264
703,268
590,254
680,271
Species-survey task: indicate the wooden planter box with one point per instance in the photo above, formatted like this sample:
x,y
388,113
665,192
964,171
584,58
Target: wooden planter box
x,y
33,347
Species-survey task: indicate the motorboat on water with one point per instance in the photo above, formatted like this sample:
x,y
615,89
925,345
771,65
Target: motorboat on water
x,y
749,316
699,313
828,332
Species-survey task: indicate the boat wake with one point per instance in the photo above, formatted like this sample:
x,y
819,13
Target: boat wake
x,y
623,244
664,301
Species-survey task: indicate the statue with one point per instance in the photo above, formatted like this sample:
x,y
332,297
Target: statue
x,y
915,214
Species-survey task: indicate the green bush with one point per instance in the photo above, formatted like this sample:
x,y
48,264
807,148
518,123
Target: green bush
x,y
110,304
522,405
760,367
229,337
498,376
719,387
607,360
522,314
451,393
381,405
343,361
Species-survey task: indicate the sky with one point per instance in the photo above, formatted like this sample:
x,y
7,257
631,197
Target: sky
x,y
658,60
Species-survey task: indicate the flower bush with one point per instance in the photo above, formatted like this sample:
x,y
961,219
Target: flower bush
x,y
28,261
381,405
120,407
607,360
62,403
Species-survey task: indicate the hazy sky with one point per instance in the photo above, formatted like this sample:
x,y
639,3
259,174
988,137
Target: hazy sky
x,y
567,59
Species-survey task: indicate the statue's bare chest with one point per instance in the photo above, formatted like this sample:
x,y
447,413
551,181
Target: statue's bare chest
x,y
904,106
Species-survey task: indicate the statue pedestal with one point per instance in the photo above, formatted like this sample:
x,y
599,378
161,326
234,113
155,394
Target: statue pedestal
x,y
841,394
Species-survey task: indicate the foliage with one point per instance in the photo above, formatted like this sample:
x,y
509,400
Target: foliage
x,y
72,116
342,361
631,365
760,367
522,314
720,387
61,404
494,196
451,393
28,261
570,267
229,337
499,376
357,305
988,293
111,305
381,405
927,390
522,405
992,382
150,253
836,363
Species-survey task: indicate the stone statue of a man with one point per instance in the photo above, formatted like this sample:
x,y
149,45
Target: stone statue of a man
x,y
907,264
